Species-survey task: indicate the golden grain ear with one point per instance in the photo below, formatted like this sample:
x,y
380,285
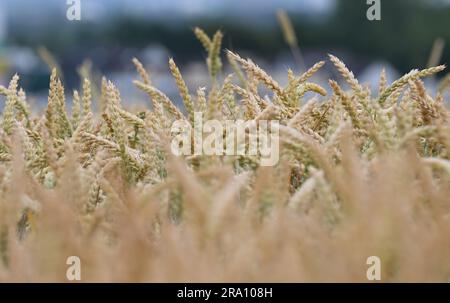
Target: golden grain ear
x,y
76,109
414,74
11,99
213,48
142,72
203,38
87,97
214,60
184,91
348,76
260,75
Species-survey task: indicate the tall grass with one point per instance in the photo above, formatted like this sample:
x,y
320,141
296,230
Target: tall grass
x,y
359,175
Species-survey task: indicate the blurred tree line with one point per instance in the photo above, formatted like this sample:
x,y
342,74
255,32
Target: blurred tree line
x,y
404,36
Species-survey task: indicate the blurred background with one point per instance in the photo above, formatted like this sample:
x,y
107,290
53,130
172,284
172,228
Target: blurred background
x,y
112,32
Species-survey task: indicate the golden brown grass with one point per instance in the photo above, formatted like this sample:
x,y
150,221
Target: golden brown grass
x,y
358,176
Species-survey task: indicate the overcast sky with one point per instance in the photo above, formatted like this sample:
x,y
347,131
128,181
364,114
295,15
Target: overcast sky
x,y
176,7
99,8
